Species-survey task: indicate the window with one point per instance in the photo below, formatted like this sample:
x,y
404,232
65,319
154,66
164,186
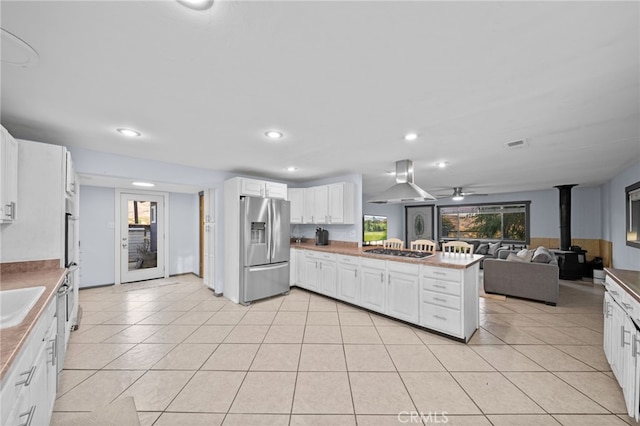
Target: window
x,y
506,221
633,215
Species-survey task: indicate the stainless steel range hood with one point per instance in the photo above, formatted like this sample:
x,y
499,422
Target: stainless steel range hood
x,y
404,190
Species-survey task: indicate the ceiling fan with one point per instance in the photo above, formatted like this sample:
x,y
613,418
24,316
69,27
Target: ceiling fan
x,y
458,194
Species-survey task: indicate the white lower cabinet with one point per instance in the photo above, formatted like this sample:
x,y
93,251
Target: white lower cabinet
x,y
449,300
374,284
403,291
442,299
321,273
349,279
311,279
622,343
29,388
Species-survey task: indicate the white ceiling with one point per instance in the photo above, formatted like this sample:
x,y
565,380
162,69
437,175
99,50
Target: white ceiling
x,y
344,80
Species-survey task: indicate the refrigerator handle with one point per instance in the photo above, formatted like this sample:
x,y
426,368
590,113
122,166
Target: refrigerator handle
x,y
270,216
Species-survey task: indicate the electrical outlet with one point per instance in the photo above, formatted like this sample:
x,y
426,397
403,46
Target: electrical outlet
x,y
352,233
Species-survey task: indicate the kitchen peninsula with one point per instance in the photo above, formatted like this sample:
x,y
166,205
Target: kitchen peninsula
x,y
438,292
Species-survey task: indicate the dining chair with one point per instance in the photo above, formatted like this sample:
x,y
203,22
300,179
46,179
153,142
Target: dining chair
x,y
393,243
457,246
423,245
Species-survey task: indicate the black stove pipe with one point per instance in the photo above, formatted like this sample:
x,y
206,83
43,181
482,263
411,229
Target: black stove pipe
x,y
565,216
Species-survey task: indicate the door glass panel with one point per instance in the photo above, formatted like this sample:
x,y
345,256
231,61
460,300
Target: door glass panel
x,y
143,234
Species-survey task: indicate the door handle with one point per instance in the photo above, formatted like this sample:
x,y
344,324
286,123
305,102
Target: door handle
x,y
622,333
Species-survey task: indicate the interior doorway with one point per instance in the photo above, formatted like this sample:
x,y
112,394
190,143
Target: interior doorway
x,y
141,246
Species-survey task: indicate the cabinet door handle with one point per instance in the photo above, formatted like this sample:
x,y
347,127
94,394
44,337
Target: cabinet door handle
x,y
615,293
54,350
627,305
356,272
439,273
29,374
389,279
634,350
28,413
439,299
622,333
439,317
381,277
439,286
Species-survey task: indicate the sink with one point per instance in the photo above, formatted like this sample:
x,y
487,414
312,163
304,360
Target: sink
x,y
16,304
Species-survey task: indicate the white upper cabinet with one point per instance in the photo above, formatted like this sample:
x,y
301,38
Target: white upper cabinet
x,y
328,204
296,198
341,203
321,207
309,205
260,188
8,177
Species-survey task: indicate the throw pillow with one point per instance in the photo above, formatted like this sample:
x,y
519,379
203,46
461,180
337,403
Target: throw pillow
x,y
513,257
493,248
526,255
522,253
542,255
482,249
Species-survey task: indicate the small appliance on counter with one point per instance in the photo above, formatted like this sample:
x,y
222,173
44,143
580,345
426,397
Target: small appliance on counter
x,y
322,237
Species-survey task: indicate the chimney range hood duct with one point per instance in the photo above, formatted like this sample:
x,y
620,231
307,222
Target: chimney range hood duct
x,y
404,190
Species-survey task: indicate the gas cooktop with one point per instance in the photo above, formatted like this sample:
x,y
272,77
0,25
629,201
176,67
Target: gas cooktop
x,y
401,253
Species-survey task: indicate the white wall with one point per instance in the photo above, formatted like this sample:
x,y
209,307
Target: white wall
x,y
586,211
97,236
184,251
613,221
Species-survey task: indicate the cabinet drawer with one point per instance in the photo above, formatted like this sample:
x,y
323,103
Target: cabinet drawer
x,y
440,286
320,255
441,299
441,319
351,260
372,263
441,273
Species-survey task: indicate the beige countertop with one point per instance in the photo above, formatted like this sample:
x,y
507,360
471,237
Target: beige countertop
x,y
628,280
448,260
12,339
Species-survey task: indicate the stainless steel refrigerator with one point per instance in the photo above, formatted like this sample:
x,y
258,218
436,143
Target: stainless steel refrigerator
x,y
264,248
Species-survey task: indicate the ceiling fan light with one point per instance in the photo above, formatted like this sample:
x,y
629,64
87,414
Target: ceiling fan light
x,y
457,194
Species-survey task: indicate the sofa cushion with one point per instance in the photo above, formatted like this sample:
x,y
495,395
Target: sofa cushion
x,y
493,248
542,255
513,257
526,255
482,249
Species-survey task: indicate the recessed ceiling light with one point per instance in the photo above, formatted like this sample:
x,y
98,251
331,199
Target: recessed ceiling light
x,y
273,134
410,136
143,184
442,164
292,169
197,4
391,173
129,132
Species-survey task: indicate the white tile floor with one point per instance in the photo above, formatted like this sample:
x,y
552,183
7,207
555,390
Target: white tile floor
x,y
189,358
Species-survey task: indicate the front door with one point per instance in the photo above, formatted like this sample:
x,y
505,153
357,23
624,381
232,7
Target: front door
x,y
141,236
